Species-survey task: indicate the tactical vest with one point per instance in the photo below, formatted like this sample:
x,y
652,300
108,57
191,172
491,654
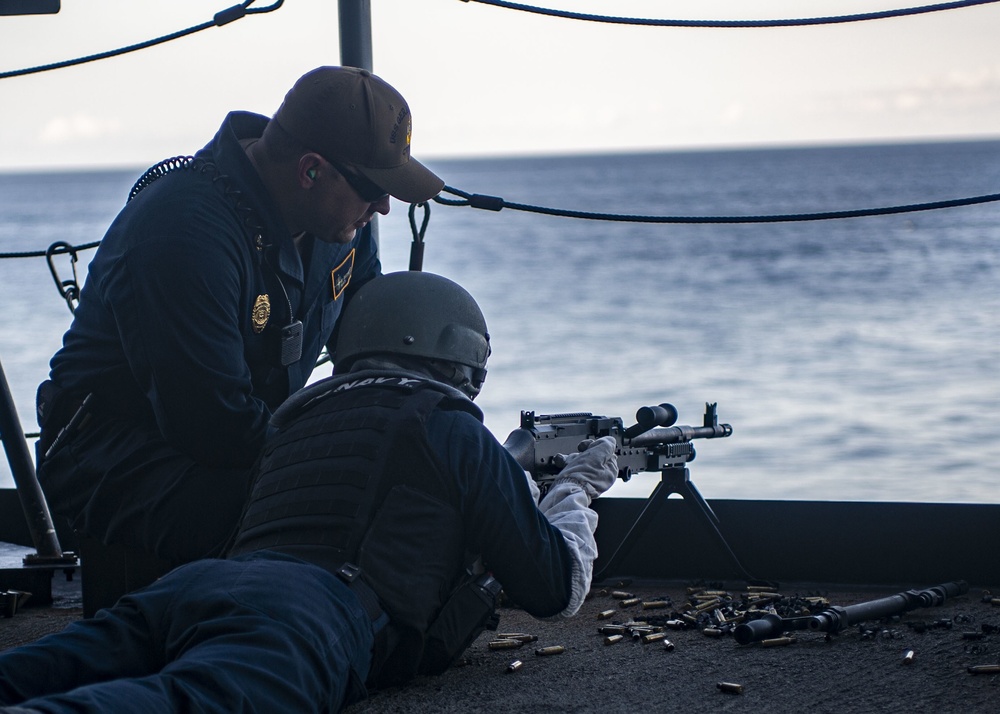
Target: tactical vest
x,y
350,477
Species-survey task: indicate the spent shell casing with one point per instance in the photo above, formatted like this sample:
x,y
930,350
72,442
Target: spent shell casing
x,y
675,624
730,687
712,632
551,650
908,657
653,637
995,602
708,605
985,669
655,604
612,639
612,630
515,665
629,602
668,645
505,644
644,629
519,636
605,614
777,642
621,595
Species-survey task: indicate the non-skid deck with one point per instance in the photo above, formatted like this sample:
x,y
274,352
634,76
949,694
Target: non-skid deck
x,y
854,671
861,669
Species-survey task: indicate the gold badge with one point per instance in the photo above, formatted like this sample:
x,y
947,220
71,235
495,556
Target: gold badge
x,y
341,275
261,313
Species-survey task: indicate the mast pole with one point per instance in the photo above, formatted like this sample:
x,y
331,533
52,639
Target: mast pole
x,y
355,17
356,33
36,510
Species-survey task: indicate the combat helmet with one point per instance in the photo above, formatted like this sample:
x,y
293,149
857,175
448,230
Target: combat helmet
x,y
420,317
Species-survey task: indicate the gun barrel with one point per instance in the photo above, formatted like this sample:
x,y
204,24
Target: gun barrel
x,y
675,434
837,618
834,619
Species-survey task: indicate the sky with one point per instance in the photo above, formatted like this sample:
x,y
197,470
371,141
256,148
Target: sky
x,y
487,81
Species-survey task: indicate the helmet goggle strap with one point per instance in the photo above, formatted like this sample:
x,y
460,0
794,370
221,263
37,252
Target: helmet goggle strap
x,y
468,380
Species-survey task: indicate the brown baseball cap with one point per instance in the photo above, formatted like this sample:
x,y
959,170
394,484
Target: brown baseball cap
x,y
351,117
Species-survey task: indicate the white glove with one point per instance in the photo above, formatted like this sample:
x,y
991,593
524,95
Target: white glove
x,y
595,468
536,493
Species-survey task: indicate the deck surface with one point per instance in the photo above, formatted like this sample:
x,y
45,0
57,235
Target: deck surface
x,y
853,671
850,672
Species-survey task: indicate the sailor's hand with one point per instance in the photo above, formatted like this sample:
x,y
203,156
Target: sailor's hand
x,y
595,468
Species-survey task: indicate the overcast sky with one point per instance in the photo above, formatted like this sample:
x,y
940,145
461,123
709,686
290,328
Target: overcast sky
x,y
482,80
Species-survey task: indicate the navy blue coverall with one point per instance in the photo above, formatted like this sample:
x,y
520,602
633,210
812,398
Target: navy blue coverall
x,y
267,632
170,340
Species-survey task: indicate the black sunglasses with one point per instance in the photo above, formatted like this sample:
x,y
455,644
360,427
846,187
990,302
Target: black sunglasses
x,y
366,188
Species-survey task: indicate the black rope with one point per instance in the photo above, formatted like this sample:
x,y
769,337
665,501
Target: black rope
x,y
221,18
857,17
495,203
52,250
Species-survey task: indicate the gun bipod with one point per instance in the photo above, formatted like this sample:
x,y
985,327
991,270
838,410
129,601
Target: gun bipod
x,y
676,479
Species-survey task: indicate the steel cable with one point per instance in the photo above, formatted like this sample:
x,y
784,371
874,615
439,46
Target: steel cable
x,y
792,22
495,203
221,18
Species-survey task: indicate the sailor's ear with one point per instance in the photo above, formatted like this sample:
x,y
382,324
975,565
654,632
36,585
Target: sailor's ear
x,y
309,168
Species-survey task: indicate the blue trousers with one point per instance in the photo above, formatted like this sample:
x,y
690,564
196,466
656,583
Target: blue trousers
x,y
259,633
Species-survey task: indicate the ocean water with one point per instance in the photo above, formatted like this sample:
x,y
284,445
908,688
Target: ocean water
x,y
856,359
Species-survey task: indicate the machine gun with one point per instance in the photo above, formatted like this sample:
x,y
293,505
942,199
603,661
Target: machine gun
x,y
652,444
834,619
